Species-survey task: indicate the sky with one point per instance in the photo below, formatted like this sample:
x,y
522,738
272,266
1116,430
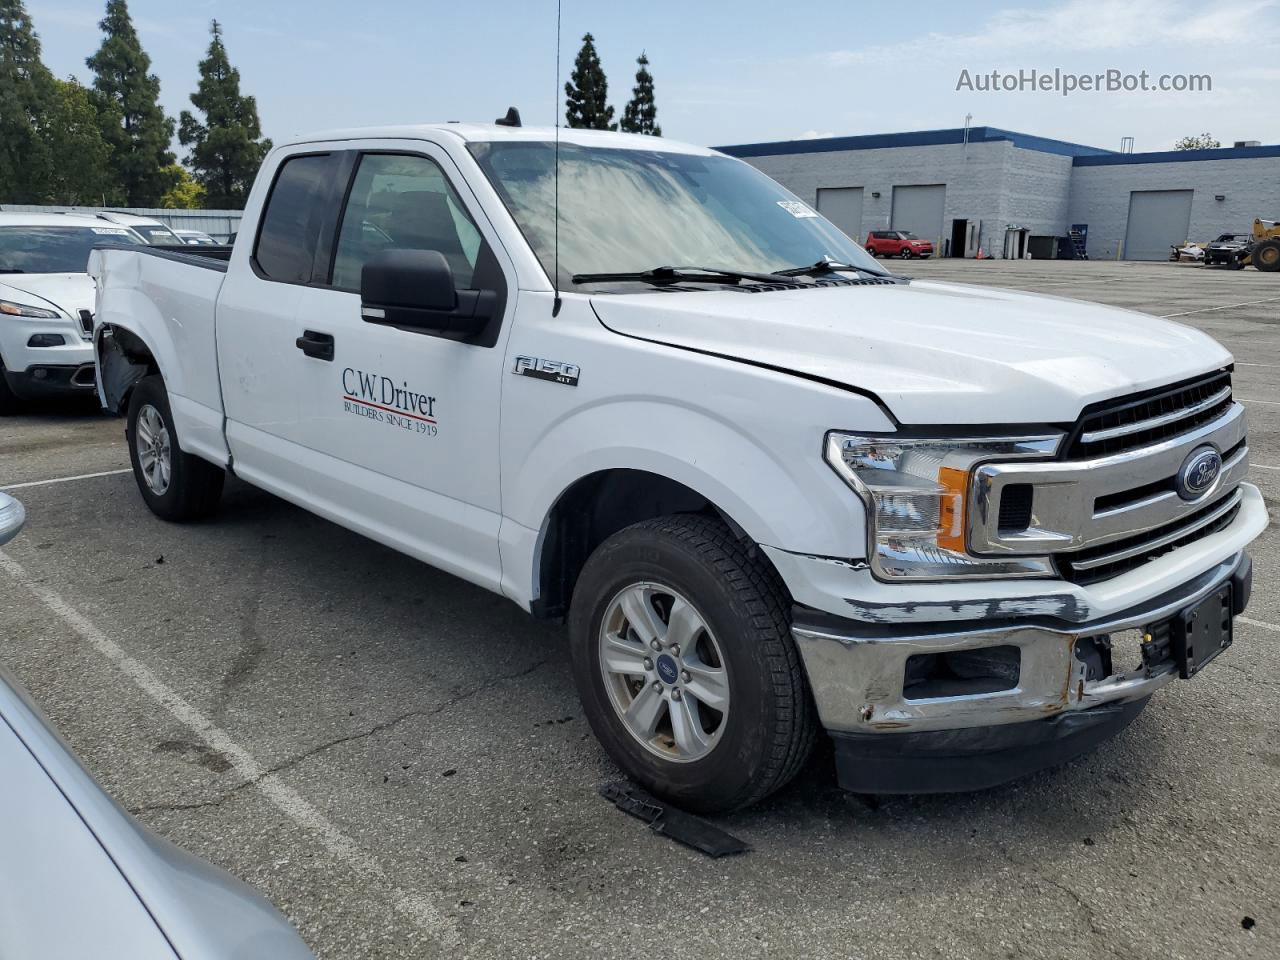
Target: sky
x,y
726,71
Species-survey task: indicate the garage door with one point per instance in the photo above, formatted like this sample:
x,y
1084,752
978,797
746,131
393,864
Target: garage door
x,y
1157,220
918,210
843,207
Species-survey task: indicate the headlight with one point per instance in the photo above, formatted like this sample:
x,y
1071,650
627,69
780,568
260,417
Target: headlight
x,y
26,310
917,496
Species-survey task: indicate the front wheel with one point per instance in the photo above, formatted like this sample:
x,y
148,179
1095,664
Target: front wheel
x,y
1266,256
685,665
905,253
176,486
9,401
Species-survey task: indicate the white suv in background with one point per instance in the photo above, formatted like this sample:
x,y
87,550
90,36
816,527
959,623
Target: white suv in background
x,y
46,303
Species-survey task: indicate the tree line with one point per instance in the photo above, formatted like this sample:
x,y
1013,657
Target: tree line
x,y
109,143
587,96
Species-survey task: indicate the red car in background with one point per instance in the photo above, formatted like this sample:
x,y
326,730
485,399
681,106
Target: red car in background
x,y
897,243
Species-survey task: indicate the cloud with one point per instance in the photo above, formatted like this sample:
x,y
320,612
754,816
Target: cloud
x,y
1090,26
815,135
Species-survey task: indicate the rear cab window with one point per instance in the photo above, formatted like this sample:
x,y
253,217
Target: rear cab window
x,y
289,235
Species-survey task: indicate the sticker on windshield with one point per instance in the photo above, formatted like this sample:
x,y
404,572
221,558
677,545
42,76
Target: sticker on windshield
x,y
797,209
110,231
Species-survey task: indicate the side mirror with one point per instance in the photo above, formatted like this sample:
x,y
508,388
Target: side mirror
x,y
12,517
414,288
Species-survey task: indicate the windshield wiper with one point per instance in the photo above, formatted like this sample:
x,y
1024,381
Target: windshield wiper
x,y
827,265
11,270
665,275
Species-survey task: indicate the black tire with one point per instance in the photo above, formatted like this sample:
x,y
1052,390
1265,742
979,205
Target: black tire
x,y
771,724
195,485
905,253
10,402
1266,256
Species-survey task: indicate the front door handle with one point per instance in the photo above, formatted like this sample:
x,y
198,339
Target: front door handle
x,y
318,345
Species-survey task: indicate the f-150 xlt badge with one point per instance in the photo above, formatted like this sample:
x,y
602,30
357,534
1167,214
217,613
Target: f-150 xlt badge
x,y
553,370
379,398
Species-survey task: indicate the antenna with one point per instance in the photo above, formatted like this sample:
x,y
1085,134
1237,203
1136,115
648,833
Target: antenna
x,y
555,275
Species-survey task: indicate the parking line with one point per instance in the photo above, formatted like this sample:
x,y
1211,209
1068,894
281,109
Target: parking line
x,y
1259,623
1273,403
83,476
287,800
1229,306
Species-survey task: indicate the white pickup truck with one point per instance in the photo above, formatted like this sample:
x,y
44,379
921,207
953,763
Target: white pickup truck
x,y
771,487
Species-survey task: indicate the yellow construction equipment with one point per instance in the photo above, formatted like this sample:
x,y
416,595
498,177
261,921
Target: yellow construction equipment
x,y
1264,252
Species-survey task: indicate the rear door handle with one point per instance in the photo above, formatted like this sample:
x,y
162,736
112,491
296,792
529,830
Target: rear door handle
x,y
318,345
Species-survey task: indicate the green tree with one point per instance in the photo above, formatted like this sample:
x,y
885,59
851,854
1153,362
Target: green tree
x,y
228,148
134,124
1203,141
185,194
587,92
72,130
26,86
641,114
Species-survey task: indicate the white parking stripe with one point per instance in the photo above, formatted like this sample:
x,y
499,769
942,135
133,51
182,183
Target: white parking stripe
x,y
83,476
1273,403
1260,623
284,798
1263,466
1229,306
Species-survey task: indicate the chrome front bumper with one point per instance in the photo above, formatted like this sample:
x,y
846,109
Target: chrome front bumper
x,y
857,670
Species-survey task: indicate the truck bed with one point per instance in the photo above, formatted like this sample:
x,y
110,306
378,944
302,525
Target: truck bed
x,y
167,298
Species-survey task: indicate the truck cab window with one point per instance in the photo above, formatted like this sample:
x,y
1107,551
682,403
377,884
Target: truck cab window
x,y
402,202
291,223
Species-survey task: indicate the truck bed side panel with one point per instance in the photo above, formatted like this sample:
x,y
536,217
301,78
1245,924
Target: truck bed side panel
x,y
169,302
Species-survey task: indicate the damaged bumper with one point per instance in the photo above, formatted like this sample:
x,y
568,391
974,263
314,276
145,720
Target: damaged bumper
x,y
935,707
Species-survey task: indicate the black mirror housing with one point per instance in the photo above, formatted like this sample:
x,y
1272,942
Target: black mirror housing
x,y
414,288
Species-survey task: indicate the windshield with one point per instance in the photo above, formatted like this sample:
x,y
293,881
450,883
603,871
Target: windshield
x,y
633,210
54,249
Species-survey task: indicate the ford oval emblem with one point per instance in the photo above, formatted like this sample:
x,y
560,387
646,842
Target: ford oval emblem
x,y
1198,474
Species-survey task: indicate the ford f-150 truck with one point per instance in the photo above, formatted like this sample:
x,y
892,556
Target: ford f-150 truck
x,y
772,488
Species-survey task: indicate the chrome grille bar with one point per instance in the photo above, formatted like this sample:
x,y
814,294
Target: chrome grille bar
x,y
1110,433
1227,505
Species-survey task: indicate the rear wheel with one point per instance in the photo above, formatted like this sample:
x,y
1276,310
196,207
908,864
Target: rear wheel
x,y
1266,256
176,486
685,665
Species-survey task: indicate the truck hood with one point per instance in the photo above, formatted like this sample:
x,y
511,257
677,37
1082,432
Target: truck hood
x,y
69,292
932,352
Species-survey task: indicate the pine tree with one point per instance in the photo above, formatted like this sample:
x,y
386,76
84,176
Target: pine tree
x,y
587,93
26,87
73,132
641,113
135,126
228,148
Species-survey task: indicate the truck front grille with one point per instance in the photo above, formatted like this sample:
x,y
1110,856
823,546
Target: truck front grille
x,y
1096,564
1143,419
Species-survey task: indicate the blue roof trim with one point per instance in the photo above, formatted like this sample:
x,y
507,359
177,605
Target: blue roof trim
x,y
917,138
1180,156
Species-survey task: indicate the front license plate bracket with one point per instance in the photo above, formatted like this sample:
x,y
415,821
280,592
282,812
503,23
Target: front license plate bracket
x,y
1202,631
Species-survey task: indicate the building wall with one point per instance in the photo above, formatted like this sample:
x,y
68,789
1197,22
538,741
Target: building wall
x,y
1036,194
995,182
216,223
973,175
1100,196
